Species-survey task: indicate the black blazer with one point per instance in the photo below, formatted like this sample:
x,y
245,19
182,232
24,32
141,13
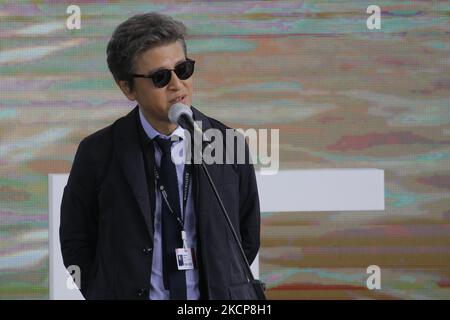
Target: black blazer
x,y
107,217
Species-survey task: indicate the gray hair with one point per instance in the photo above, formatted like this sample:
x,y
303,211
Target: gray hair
x,y
135,36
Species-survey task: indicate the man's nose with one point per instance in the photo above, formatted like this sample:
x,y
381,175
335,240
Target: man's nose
x,y
175,82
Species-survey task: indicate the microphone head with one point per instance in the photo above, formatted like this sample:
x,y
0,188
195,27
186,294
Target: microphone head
x,y
177,110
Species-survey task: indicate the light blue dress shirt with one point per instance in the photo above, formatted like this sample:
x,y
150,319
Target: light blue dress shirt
x,y
157,290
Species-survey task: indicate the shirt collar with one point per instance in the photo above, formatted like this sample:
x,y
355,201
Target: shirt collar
x,y
152,132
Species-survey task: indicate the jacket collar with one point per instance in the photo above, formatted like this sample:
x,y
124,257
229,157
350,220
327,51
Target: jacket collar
x,y
129,154
198,116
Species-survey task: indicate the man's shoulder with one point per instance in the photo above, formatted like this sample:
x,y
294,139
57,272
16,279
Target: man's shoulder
x,y
212,122
96,148
216,124
99,145
103,137
99,137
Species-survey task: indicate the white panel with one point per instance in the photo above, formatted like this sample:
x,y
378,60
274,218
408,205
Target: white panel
x,y
322,190
288,190
58,274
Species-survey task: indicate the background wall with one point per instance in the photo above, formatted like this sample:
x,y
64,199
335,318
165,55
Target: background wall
x,y
342,96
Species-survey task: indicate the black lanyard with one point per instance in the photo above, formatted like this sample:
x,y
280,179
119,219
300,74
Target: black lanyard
x,y
186,182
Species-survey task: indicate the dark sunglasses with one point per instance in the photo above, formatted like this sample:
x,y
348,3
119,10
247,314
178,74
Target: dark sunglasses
x,y
161,78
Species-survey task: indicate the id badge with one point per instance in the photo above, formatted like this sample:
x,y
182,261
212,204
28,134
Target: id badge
x,y
185,258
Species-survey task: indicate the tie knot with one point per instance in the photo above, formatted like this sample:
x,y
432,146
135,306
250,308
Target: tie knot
x,y
164,144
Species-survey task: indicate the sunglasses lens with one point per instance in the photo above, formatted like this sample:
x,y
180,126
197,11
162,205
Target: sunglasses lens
x,y
161,78
185,70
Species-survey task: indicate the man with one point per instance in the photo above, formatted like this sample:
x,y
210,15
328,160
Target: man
x,y
121,220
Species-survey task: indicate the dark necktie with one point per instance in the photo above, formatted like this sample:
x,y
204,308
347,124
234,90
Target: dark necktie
x,y
174,279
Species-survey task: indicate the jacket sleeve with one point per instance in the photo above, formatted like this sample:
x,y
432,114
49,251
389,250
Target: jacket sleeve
x,y
79,216
249,211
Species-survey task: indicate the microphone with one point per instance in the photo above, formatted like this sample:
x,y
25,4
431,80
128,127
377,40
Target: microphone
x,y
181,114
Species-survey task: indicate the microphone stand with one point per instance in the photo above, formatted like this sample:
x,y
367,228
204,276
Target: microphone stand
x,y
257,285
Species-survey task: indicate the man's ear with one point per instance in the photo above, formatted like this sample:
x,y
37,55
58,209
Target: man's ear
x,y
130,94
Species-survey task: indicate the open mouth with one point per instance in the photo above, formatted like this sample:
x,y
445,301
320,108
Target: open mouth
x,y
181,99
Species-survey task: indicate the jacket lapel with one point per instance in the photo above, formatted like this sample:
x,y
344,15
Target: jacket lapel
x,y
130,157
